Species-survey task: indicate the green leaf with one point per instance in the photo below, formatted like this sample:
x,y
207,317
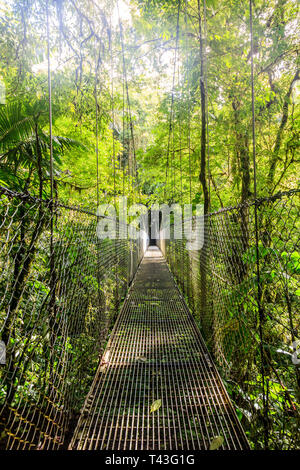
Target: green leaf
x,y
216,442
239,414
155,405
295,256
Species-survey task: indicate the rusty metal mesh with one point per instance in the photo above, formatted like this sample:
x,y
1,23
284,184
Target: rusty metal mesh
x,y
257,355
155,353
53,321
57,308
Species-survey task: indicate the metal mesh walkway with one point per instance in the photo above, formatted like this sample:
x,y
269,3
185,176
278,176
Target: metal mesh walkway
x,y
155,352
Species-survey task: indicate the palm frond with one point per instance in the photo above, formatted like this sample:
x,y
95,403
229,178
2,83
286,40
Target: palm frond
x,y
14,126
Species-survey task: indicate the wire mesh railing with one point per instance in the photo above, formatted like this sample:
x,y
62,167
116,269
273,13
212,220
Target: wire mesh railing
x,y
56,309
250,323
155,353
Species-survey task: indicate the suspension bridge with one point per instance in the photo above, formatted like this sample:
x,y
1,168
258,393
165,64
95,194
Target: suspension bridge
x,y
112,344
155,384
156,355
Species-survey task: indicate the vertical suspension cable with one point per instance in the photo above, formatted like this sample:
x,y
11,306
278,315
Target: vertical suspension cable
x,y
96,123
49,102
259,291
98,245
112,109
123,130
206,101
123,97
52,265
179,116
134,169
172,103
114,156
172,164
252,102
180,140
189,107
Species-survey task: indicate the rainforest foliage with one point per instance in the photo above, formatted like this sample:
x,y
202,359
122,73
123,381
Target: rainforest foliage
x,y
152,99
141,68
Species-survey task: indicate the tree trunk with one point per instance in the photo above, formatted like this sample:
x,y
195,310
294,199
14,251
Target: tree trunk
x,y
275,155
202,177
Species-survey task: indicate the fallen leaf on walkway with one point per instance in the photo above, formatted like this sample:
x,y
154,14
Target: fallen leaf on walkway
x,y
216,443
141,359
155,405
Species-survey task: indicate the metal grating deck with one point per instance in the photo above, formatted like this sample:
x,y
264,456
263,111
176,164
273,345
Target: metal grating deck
x,y
156,352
